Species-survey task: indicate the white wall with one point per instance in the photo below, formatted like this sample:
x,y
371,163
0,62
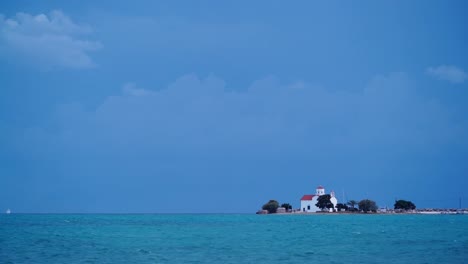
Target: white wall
x,y
334,201
310,203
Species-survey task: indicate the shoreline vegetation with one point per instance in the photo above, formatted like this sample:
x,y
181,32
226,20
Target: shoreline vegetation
x,y
364,206
429,211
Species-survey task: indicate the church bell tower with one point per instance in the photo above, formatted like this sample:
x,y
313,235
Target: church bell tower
x,y
320,190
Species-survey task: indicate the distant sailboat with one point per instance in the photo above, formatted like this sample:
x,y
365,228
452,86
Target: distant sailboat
x,y
8,211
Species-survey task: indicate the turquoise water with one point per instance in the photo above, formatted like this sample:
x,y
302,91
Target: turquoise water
x,y
233,238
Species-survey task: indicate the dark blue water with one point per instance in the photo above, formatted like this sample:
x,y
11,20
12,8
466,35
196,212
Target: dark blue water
x,y
233,238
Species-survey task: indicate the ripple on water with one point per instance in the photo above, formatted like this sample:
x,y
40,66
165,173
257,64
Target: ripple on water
x,y
232,239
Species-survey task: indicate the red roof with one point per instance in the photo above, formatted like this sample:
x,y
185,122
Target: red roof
x,y
320,187
307,197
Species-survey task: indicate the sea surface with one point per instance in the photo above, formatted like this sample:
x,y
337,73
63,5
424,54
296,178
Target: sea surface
x,y
233,238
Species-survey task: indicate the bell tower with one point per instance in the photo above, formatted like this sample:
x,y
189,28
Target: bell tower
x,y
320,190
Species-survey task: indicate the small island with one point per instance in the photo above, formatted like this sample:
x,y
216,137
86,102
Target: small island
x,y
320,202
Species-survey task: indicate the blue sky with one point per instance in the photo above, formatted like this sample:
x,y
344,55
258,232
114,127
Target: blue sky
x,y
205,106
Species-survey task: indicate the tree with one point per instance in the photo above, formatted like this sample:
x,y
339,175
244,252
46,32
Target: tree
x,y
287,206
271,206
341,206
404,205
352,203
324,202
367,205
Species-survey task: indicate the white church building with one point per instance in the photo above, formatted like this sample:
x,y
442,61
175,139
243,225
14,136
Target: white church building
x,y
308,201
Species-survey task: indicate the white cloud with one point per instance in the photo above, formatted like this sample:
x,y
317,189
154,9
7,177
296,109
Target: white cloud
x,y
132,89
448,73
49,40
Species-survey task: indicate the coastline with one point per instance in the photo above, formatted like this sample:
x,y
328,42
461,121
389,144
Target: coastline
x,y
390,212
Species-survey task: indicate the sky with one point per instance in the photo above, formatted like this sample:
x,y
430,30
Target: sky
x,y
218,107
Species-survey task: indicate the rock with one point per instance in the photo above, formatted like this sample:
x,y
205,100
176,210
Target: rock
x,y
262,212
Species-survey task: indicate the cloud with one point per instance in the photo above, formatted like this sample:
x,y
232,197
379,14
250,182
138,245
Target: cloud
x,y
448,72
133,90
198,115
195,136
52,40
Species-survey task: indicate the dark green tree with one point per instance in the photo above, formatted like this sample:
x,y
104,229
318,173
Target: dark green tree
x,y
341,207
287,206
404,205
367,205
352,203
324,202
271,206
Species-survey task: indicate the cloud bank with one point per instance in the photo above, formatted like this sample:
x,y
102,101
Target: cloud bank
x,y
147,148
52,40
448,72
199,115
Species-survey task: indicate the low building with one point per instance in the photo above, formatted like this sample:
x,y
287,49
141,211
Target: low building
x,y
281,210
309,201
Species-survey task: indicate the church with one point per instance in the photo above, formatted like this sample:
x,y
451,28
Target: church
x,y
308,201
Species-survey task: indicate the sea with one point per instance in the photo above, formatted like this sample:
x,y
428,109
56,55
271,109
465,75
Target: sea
x,y
233,238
